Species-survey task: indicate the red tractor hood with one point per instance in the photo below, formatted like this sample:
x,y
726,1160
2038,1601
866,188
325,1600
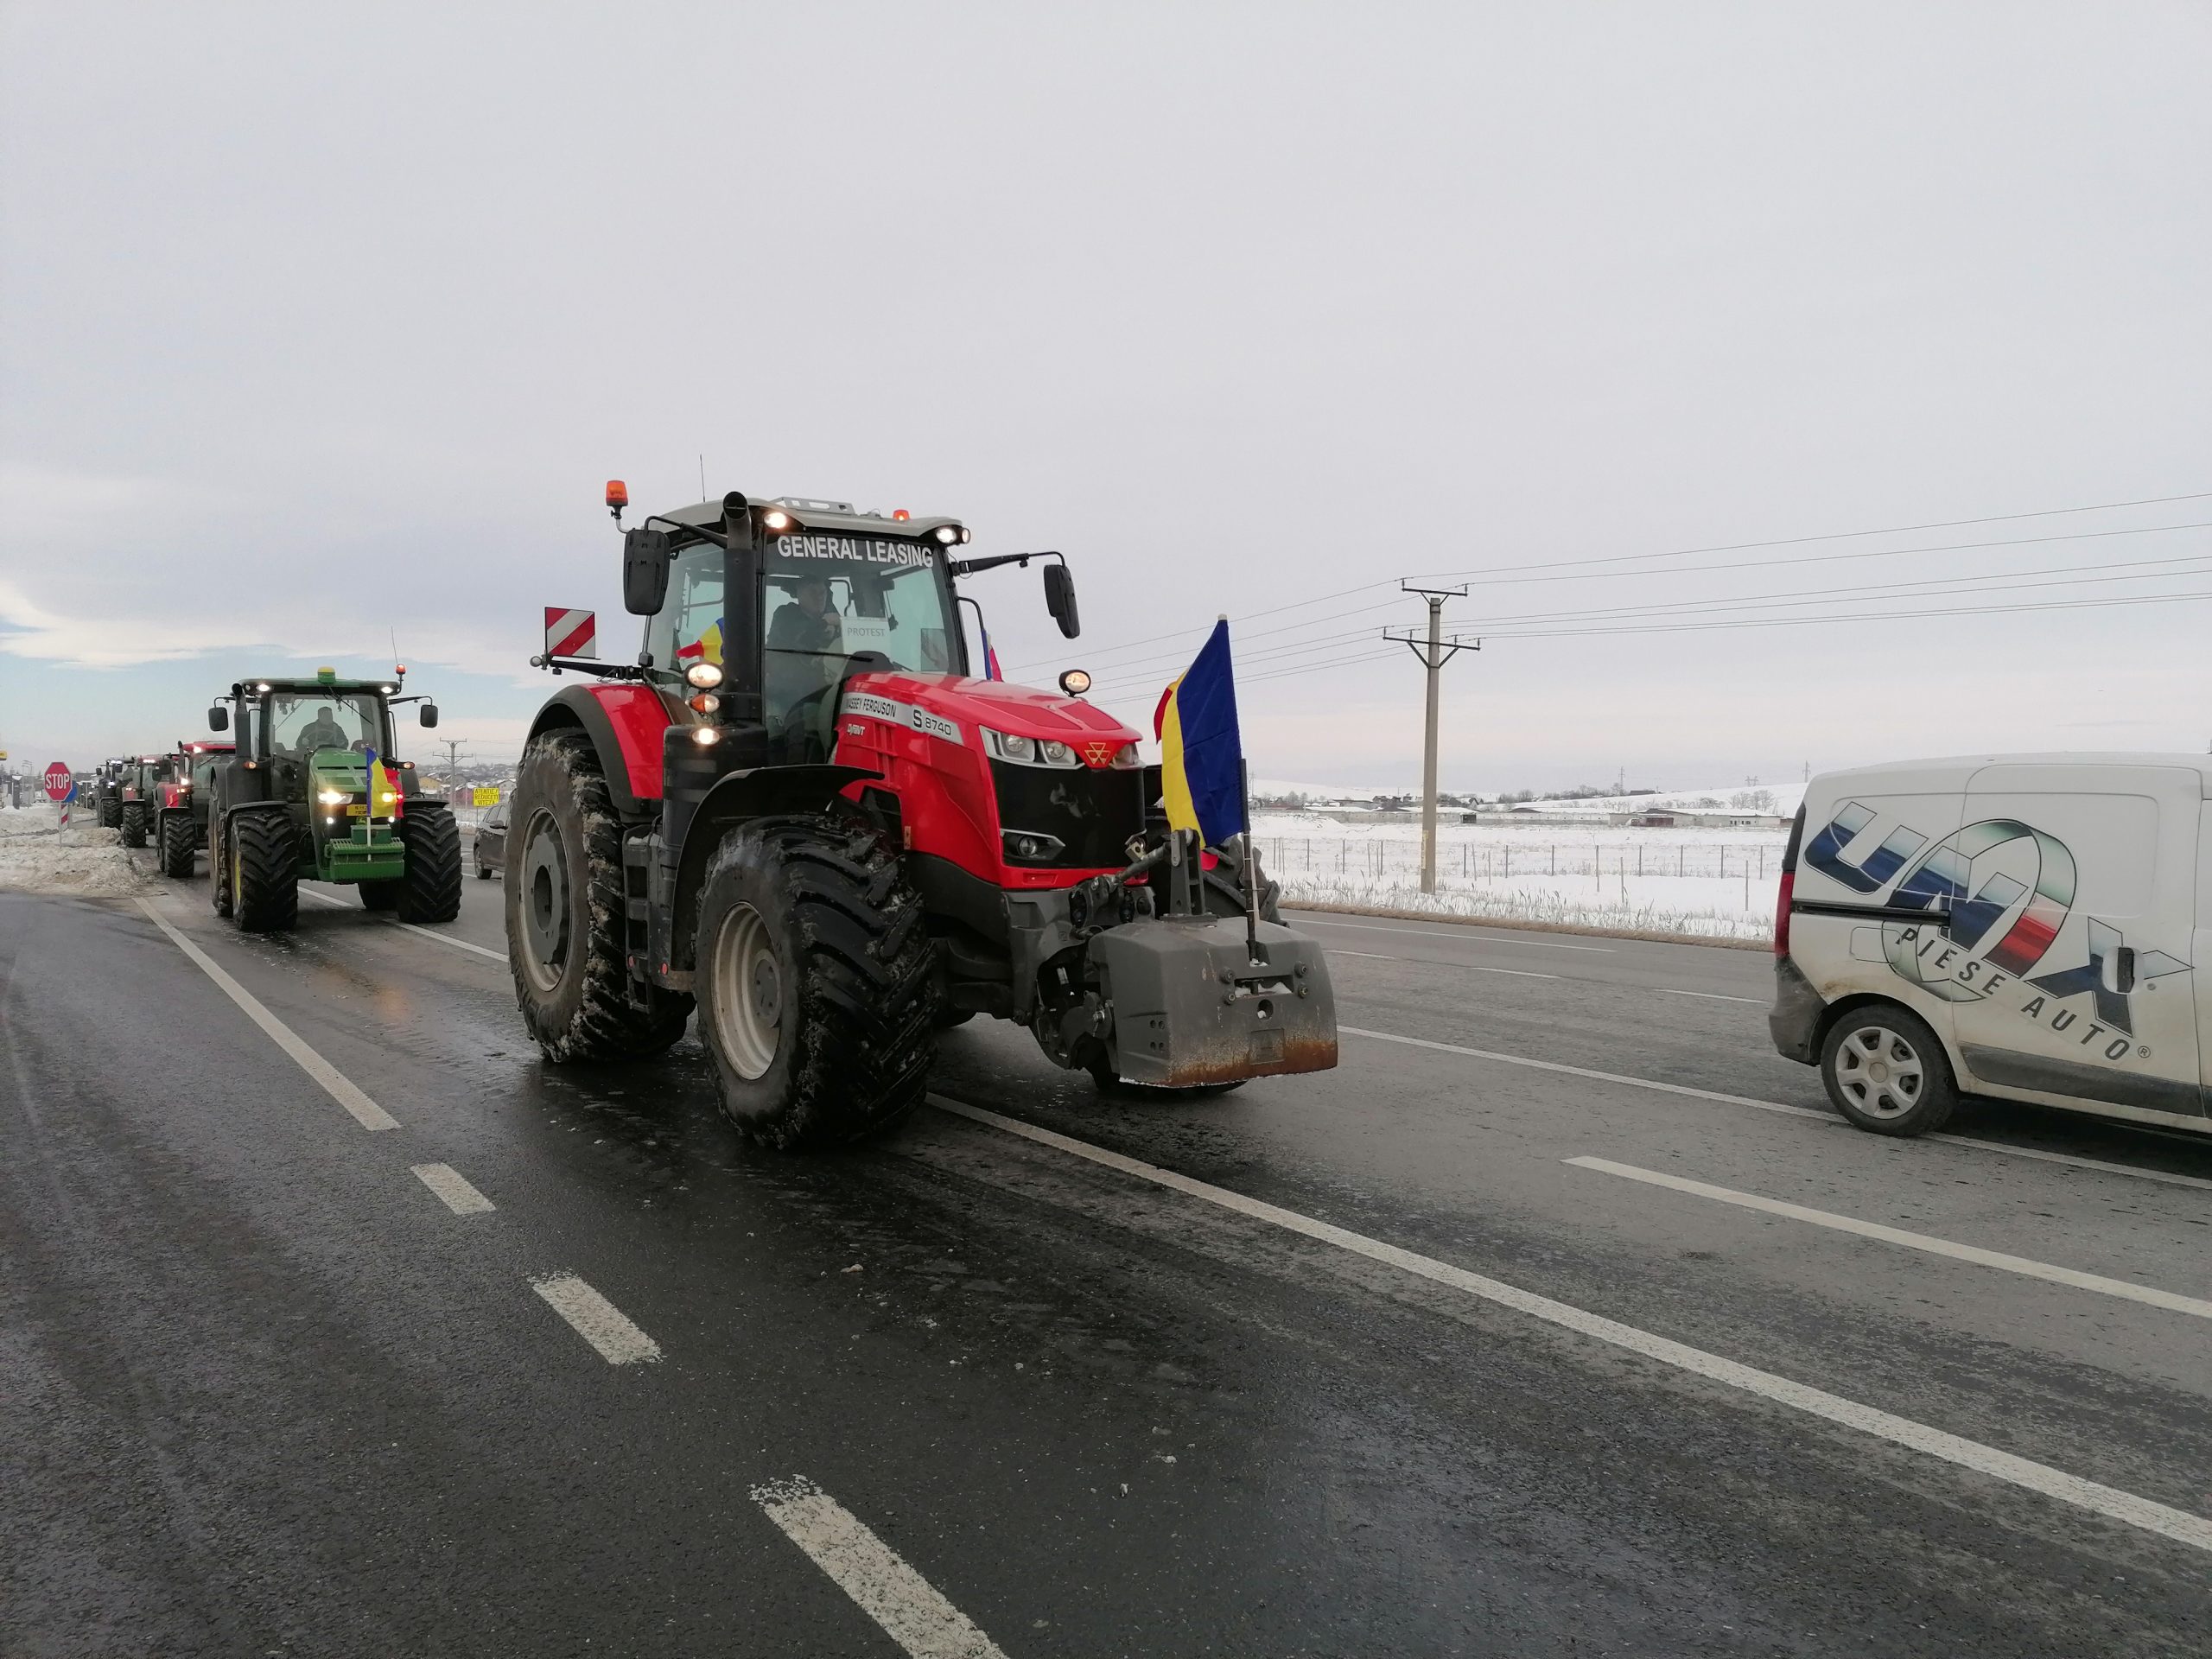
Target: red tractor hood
x,y
1018,710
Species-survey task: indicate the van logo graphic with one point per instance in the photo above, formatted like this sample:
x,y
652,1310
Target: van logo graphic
x,y
1997,891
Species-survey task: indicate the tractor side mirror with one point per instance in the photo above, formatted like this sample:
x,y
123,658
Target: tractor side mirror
x,y
1060,600
646,555
428,714
218,719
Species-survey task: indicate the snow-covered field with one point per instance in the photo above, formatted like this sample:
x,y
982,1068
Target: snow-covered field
x,y
84,860
1714,883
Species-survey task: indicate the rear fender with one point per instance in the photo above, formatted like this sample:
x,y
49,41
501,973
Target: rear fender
x,y
736,800
625,724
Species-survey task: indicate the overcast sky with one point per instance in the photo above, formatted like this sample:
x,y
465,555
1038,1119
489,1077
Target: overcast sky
x,y
322,324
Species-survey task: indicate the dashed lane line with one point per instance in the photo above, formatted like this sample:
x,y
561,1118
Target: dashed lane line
x,y
450,1184
2068,1159
2094,1497
499,956
597,1320
1306,920
907,1606
367,1112
1934,1246
1712,997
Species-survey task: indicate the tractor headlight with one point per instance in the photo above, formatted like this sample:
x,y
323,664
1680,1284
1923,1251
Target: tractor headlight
x,y
775,520
1029,751
705,676
1126,759
705,736
331,796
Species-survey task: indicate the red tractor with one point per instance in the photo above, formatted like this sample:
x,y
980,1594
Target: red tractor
x,y
798,809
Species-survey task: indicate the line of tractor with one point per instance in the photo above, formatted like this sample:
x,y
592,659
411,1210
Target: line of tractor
x,y
802,813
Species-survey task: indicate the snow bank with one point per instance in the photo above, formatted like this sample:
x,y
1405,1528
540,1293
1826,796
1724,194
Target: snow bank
x,y
1704,883
86,862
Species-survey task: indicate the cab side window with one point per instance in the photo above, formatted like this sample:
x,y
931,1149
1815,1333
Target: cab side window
x,y
689,627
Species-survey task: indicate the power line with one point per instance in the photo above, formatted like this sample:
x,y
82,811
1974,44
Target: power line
x,y
1691,552
1733,564
1855,616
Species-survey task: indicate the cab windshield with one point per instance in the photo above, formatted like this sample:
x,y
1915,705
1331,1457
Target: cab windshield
x,y
300,722
833,598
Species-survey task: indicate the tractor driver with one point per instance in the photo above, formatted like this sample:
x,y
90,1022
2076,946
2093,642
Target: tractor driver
x,y
323,732
804,636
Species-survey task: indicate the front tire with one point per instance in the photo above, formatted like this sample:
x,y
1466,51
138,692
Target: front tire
x,y
566,909
430,891
178,843
816,996
264,874
1886,1072
132,822
219,867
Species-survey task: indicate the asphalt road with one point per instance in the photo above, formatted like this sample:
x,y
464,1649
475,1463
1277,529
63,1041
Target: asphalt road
x,y
1357,1364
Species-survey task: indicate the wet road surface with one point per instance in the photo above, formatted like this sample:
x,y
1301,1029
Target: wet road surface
x,y
1443,1352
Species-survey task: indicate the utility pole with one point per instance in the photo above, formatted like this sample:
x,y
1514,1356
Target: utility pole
x,y
451,746
1434,652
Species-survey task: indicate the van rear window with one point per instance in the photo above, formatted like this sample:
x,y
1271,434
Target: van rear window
x,y
1796,835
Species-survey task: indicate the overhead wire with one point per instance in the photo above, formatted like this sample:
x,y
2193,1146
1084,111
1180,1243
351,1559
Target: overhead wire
x,y
1730,547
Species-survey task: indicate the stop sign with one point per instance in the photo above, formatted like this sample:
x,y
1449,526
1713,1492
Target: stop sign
x,y
57,781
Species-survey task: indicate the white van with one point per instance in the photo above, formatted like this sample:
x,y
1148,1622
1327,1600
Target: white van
x,y
2024,926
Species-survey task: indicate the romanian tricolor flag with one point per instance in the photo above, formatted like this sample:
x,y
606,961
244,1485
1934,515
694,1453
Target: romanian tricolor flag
x,y
991,669
1201,752
382,784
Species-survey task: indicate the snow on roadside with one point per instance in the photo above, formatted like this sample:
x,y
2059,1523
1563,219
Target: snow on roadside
x,y
1711,883
85,861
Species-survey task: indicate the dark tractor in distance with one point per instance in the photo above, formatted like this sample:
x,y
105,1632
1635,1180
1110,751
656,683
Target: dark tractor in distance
x,y
138,787
799,810
177,810
312,792
108,797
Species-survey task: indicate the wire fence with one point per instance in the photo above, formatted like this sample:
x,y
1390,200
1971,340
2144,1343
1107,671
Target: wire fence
x,y
1472,861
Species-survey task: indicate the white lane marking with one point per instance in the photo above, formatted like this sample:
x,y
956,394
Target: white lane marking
x,y
597,1320
1934,1246
1713,996
906,1605
1372,956
499,956
2108,1501
450,1184
367,1112
1829,1118
1585,1072
1308,919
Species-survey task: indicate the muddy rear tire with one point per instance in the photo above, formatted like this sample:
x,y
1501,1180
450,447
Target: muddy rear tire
x,y
816,980
264,874
430,889
177,842
566,909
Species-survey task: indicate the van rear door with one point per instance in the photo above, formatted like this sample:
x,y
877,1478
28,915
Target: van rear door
x,y
2080,907
1873,883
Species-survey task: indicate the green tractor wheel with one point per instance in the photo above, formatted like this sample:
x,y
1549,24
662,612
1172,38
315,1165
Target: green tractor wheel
x,y
264,873
176,842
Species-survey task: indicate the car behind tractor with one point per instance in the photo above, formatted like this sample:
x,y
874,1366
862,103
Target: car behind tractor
x,y
312,792
799,812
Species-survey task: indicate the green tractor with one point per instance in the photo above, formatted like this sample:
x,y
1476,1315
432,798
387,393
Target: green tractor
x,y
312,793
108,800
139,789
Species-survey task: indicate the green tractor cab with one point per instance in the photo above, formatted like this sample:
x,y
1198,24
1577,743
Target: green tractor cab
x,y
314,793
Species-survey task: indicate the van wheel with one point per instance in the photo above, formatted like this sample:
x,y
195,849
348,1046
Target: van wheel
x,y
1886,1072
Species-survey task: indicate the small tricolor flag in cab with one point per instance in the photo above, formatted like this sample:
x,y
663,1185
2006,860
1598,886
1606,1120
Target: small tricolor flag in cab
x,y
1201,751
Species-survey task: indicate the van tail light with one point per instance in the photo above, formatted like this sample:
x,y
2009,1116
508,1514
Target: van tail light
x,y
1782,913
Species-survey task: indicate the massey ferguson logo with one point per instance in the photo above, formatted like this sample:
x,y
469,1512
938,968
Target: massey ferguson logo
x,y
1096,755
1996,893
